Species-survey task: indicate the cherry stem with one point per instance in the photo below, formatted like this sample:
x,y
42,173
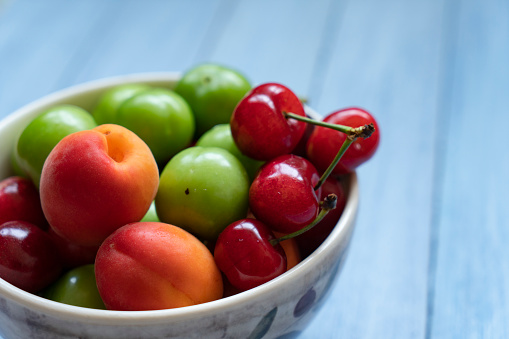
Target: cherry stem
x,y
355,132
351,132
328,171
329,203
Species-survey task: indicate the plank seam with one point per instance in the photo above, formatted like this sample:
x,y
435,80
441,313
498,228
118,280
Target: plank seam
x,y
323,60
222,16
78,57
443,122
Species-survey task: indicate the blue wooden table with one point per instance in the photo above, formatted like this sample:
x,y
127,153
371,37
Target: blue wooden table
x,y
429,257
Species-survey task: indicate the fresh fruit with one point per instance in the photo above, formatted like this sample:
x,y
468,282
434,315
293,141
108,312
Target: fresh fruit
x,y
19,200
282,194
150,265
221,136
324,143
96,181
161,118
203,190
105,112
76,287
28,259
311,239
300,149
16,168
259,125
97,185
72,255
151,214
292,251
212,91
44,132
244,253
249,254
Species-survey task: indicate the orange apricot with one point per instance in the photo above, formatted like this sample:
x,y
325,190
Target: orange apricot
x,y
153,265
291,249
96,181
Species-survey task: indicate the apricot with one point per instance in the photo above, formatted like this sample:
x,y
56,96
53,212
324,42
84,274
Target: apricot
x,y
291,249
154,265
95,181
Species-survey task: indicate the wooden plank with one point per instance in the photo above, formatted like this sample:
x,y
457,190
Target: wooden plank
x,y
386,57
100,39
472,270
145,36
38,41
273,41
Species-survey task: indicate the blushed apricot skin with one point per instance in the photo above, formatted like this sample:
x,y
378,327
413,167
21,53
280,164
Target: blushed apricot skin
x,y
95,181
293,257
153,265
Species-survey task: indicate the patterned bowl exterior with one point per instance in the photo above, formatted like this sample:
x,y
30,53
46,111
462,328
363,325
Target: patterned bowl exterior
x,y
280,308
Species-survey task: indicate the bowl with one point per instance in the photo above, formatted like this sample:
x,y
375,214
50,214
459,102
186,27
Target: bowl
x,y
279,308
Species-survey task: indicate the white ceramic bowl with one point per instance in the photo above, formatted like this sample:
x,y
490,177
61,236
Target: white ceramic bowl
x,y
279,308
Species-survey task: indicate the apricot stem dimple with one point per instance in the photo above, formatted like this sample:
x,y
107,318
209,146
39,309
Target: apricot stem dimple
x,y
114,144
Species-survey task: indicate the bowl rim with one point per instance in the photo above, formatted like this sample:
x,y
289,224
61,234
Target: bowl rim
x,y
125,318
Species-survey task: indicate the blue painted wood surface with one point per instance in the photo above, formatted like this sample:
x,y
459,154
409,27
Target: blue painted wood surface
x,y
429,257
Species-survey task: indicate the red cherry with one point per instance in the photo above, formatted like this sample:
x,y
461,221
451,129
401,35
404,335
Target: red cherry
x,y
19,200
72,255
259,126
28,257
300,149
324,143
282,195
245,255
311,239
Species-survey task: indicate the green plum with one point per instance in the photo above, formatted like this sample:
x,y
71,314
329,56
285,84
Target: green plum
x,y
105,111
16,168
221,136
44,132
160,117
151,214
203,190
212,91
77,287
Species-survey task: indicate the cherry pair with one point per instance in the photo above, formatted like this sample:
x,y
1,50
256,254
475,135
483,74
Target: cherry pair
x,y
285,196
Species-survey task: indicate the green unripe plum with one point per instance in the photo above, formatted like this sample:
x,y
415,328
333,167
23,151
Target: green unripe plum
x,y
221,136
151,215
212,91
105,111
44,132
16,168
160,117
77,287
203,190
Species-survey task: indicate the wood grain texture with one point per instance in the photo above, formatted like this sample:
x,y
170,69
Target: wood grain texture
x,y
149,36
39,42
472,273
429,255
387,58
273,41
